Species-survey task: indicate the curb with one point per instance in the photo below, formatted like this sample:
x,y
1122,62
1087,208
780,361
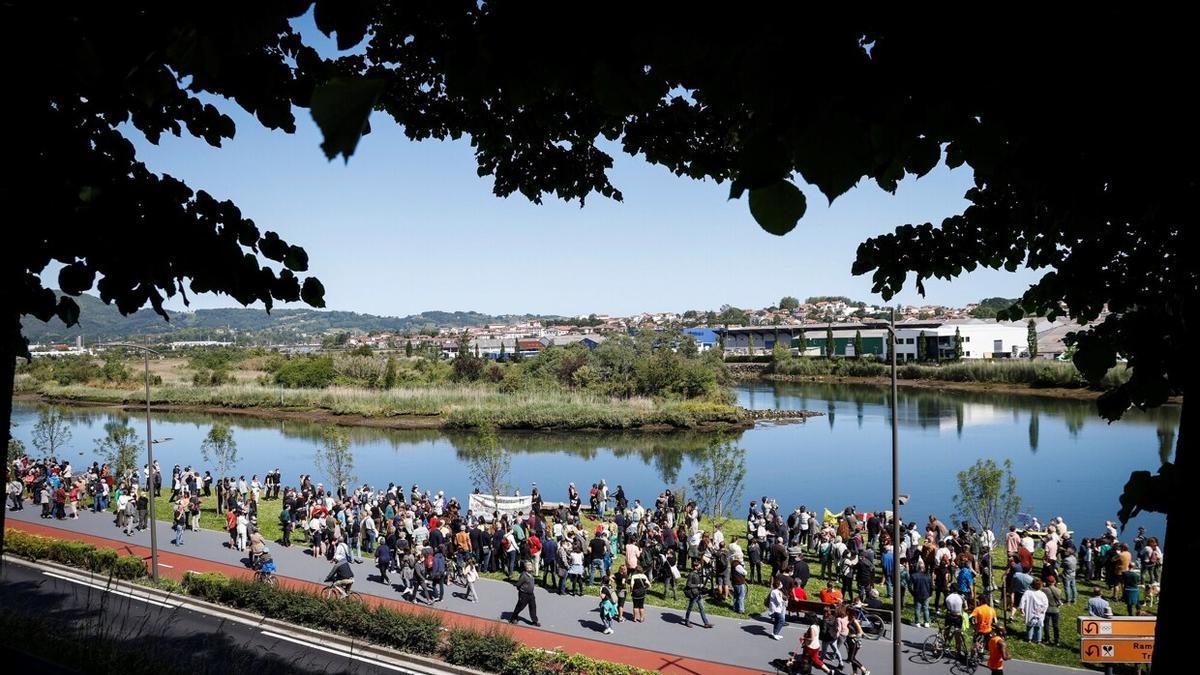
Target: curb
x,y
414,663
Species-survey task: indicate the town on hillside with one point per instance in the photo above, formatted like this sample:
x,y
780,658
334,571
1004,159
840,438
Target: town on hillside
x,y
926,332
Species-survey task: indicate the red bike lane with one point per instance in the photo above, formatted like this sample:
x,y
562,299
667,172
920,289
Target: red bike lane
x,y
175,565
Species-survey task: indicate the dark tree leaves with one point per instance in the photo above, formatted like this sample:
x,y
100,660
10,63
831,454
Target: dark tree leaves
x,y
341,107
778,207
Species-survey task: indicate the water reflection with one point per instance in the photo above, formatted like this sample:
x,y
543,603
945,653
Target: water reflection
x,y
1068,461
922,408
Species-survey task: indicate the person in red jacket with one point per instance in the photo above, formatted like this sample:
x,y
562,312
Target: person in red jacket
x,y
535,551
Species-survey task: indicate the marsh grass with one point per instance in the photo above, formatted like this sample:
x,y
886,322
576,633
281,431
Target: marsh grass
x,y
458,406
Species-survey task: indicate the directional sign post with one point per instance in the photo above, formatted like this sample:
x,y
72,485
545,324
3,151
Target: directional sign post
x,y
1120,639
1116,650
1127,626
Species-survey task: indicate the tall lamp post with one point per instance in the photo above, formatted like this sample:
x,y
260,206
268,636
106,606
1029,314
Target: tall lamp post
x,y
146,352
897,593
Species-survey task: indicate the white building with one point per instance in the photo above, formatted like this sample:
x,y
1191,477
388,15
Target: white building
x,y
982,339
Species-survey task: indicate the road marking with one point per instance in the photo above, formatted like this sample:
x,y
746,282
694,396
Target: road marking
x,y
114,591
339,652
170,567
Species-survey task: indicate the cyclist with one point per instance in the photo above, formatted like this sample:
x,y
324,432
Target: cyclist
x,y
955,624
984,617
264,564
341,577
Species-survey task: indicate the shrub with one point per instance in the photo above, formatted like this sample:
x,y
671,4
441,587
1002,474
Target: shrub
x,y
474,649
129,567
101,560
73,553
527,661
316,373
28,546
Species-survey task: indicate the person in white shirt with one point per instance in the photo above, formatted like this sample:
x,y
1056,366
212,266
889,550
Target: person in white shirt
x,y
718,537
1034,604
242,524
1028,544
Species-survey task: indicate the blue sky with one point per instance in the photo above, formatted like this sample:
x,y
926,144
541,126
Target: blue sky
x,y
405,227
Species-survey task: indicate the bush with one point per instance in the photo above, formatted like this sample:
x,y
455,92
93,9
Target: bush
x,y
101,560
129,567
527,661
315,373
415,633
482,650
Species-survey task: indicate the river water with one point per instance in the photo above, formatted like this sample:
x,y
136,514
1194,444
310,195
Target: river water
x,y
1067,461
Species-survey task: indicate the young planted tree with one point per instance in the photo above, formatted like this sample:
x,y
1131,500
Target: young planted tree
x,y
389,373
220,447
408,349
987,495
51,432
958,344
750,344
1031,339
858,343
718,482
334,458
921,346
488,462
830,344
119,447
802,340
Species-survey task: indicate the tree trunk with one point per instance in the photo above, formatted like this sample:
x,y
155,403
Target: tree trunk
x,y
1174,615
10,337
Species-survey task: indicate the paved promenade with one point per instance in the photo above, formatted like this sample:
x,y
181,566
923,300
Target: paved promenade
x,y
732,647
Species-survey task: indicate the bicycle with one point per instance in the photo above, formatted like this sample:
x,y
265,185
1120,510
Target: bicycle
x,y
936,646
334,592
872,624
455,573
263,576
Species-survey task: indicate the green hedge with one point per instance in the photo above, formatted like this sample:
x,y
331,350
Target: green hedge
x,y
492,650
418,633
74,554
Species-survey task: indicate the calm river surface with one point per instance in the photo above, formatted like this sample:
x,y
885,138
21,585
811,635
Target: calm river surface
x,y
1068,461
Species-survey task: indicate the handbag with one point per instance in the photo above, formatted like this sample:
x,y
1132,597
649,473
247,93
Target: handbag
x,y
674,572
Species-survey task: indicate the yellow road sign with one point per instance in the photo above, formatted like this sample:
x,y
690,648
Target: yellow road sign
x,y
1116,649
1121,626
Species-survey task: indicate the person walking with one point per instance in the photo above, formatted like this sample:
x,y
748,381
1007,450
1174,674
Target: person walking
x,y
608,604
179,523
471,575
575,571
639,584
525,596
854,644
694,592
777,608
383,560
811,643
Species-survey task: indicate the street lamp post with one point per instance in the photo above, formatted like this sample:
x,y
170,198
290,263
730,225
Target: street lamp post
x,y
897,594
146,352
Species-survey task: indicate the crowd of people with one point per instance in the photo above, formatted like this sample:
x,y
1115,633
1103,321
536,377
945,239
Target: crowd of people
x,y
621,548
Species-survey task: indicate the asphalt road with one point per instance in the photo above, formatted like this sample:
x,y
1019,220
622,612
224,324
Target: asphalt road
x,y
189,640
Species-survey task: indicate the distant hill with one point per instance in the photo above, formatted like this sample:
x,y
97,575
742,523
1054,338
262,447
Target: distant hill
x,y
98,321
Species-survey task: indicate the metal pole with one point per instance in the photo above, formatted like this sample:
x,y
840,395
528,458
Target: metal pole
x,y
897,592
150,474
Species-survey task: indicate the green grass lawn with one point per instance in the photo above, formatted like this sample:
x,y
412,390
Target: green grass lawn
x,y
1065,653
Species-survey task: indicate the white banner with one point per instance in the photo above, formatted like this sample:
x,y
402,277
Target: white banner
x,y
486,504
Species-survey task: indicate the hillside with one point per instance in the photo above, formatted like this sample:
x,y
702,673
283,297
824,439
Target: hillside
x,y
98,321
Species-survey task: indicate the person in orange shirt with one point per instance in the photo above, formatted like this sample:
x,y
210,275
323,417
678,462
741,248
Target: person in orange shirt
x,y
997,652
831,595
983,617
